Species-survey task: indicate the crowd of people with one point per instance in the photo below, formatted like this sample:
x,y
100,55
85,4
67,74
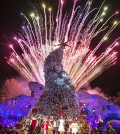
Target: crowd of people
x,y
53,125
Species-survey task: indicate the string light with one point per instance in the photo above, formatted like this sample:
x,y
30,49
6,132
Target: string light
x,y
50,9
103,14
105,38
105,8
32,15
43,5
115,23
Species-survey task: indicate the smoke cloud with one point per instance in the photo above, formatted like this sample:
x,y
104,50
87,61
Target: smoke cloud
x,y
95,90
17,86
14,87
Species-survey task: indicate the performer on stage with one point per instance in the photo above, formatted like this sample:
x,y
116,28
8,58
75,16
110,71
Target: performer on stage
x,y
74,127
61,125
50,128
28,122
51,121
55,127
45,126
33,123
66,126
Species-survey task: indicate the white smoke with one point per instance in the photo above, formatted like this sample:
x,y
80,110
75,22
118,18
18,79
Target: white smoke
x,y
95,90
14,87
17,86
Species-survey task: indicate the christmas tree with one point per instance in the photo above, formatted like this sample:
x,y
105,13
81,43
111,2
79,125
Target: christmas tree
x,y
59,92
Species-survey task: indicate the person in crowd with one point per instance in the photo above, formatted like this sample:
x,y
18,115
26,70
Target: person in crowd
x,y
100,127
7,130
95,131
110,129
1,126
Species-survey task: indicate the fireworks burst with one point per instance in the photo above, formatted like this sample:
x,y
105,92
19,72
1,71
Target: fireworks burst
x,y
43,34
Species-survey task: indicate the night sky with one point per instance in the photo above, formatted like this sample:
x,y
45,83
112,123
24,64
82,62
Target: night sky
x,y
10,22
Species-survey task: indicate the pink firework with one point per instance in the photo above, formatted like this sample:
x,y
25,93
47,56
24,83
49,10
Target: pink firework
x,y
43,34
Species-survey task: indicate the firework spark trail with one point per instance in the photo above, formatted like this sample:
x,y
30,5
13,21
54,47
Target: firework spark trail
x,y
43,34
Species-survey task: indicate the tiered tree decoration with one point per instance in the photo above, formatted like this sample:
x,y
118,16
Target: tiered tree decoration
x,y
60,94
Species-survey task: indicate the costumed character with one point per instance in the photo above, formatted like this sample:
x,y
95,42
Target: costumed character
x,y
74,127
70,122
79,126
33,123
51,120
38,125
61,125
41,121
50,128
44,126
66,126
54,127
57,125
28,121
